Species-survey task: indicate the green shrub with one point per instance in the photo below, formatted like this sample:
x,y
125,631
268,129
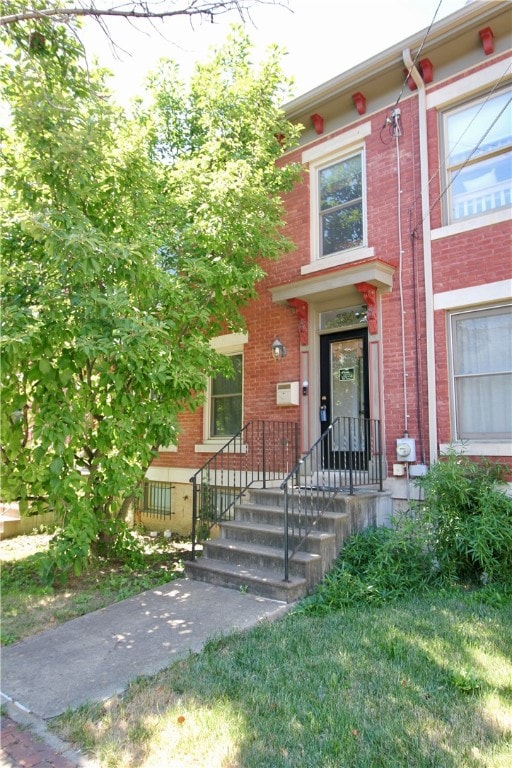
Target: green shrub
x,y
376,566
468,519
460,532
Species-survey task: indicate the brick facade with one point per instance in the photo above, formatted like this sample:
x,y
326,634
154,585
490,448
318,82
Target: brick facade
x,y
473,255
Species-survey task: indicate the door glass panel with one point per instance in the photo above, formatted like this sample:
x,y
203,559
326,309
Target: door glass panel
x,y
347,386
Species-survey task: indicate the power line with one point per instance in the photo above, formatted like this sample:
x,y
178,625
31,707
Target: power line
x,y
418,54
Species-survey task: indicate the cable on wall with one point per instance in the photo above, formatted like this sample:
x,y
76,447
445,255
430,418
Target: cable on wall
x,y
397,134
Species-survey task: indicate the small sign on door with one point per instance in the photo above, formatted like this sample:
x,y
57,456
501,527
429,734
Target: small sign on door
x,y
347,374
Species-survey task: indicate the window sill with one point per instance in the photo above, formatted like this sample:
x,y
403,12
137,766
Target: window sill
x,y
338,260
478,448
476,222
212,446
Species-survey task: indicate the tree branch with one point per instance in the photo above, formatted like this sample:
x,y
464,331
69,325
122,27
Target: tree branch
x,y
140,10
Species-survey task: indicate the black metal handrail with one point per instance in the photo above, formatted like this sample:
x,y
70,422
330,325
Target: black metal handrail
x,y
261,452
348,455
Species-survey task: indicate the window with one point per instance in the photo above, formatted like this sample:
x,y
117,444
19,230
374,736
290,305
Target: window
x,y
226,401
478,140
157,499
340,189
481,342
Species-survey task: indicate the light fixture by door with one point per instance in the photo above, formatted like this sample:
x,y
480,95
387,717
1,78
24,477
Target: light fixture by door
x,y
278,349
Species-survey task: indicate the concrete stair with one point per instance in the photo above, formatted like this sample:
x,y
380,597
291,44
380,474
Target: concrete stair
x,y
248,553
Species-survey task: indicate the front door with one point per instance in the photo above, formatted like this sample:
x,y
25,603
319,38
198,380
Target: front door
x,y
344,394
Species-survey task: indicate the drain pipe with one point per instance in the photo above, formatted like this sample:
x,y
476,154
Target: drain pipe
x,y
427,256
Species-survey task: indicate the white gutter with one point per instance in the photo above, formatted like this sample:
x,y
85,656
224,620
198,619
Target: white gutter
x,y
427,257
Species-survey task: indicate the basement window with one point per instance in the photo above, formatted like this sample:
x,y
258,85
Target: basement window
x,y
156,501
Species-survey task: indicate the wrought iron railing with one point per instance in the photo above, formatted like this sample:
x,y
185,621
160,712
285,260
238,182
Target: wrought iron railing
x,y
263,452
347,456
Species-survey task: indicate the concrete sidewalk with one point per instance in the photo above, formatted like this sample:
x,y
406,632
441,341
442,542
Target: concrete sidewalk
x,y
95,656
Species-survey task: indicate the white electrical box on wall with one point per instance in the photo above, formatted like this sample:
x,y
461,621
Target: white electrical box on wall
x,y
287,393
406,449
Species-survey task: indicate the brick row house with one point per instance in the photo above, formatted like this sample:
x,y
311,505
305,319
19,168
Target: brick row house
x,y
394,309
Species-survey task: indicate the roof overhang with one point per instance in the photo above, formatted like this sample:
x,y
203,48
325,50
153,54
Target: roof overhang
x,y
328,286
445,31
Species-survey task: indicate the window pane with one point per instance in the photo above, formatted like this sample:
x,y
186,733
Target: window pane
x,y
485,406
482,365
226,402
479,161
483,343
340,183
479,128
342,229
226,416
228,386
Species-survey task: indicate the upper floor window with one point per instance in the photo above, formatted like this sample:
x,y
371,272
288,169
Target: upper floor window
x,y
340,188
226,401
481,343
478,141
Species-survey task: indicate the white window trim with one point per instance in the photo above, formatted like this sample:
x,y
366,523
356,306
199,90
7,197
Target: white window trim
x,y
338,259
477,448
228,344
475,222
322,156
462,298
471,446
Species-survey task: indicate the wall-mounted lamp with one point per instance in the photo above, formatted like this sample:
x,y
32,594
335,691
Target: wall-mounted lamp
x,y
278,350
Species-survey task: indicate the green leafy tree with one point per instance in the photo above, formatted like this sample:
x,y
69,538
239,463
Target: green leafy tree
x,y
127,244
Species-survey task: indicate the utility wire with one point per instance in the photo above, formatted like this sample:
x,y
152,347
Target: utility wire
x,y
388,120
418,54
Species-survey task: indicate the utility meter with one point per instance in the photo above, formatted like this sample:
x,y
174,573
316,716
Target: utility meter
x,y
406,449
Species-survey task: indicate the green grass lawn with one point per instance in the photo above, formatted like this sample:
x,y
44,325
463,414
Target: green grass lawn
x,y
29,606
424,682
414,681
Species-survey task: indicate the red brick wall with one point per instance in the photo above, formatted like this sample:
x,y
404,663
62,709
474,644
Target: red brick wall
x,y
463,260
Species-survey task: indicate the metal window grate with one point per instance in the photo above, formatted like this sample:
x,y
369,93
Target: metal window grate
x,y
156,501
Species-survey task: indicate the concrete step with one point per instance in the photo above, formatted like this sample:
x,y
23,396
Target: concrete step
x,y
253,580
337,522
321,543
249,552
307,565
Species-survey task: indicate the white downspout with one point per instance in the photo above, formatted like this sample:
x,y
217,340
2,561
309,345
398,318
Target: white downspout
x,y
427,256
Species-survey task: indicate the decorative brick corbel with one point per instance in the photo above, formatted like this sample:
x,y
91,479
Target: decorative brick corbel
x,y
369,294
359,102
426,70
301,307
318,122
487,38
